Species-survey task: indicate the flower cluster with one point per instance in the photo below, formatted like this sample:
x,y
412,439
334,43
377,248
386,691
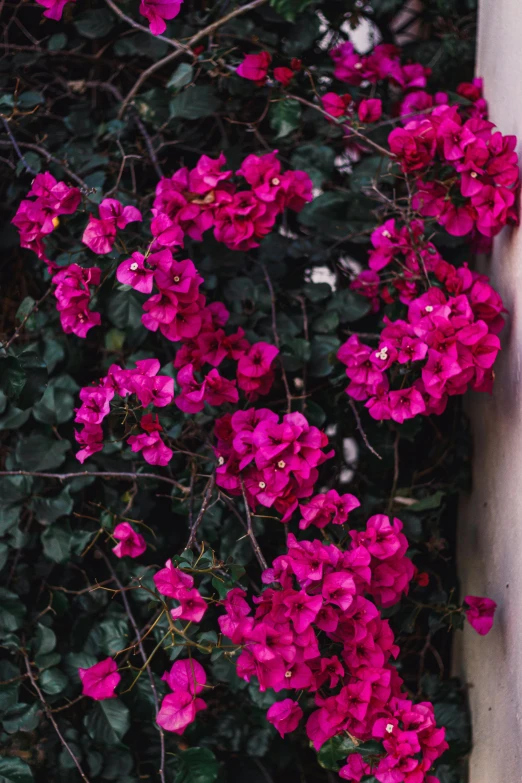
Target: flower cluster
x,y
274,463
193,201
35,220
315,629
255,68
466,174
383,62
447,344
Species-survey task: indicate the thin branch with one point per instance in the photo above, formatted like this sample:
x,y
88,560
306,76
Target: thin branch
x,y
202,510
174,55
337,121
49,158
16,147
49,714
144,658
33,309
361,430
250,531
96,474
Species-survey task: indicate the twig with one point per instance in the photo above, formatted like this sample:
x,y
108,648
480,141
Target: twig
x,y
33,309
250,531
49,714
144,658
204,506
17,149
276,336
361,430
49,158
174,55
96,474
337,121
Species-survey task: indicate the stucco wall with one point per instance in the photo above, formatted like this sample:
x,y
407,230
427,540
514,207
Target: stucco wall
x,y
490,530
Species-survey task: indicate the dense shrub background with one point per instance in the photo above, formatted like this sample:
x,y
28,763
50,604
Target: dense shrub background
x,y
61,91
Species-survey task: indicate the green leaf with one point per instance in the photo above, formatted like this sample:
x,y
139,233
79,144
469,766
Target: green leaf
x,y
44,640
37,452
12,611
339,215
182,76
317,160
48,510
56,542
22,717
197,765
108,722
334,751
195,103
94,23
290,8
428,503
285,117
14,770
53,681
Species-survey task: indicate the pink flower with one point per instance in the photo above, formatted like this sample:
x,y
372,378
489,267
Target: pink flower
x,y
133,272
192,606
178,710
100,680
285,716
54,8
156,11
480,613
91,438
187,675
131,544
99,235
255,67
354,768
283,75
370,110
336,105
112,210
170,580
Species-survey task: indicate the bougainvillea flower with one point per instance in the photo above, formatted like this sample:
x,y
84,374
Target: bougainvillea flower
x,y
480,613
131,544
178,710
285,716
255,67
156,11
100,680
187,675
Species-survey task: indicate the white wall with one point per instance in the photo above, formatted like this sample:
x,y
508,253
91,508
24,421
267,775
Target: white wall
x,y
490,530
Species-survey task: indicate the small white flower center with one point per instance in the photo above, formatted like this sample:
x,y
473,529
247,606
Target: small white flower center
x,y
389,728
133,266
288,674
176,279
275,182
261,485
429,308
382,354
221,461
473,175
281,464
358,66
386,233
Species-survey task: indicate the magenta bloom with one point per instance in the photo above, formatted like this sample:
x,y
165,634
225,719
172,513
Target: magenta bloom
x,y
187,675
133,272
480,613
178,710
157,11
370,110
170,580
255,67
192,605
54,8
100,680
131,544
285,716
